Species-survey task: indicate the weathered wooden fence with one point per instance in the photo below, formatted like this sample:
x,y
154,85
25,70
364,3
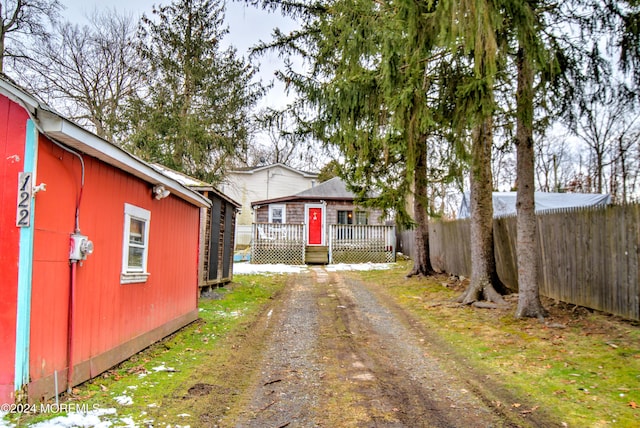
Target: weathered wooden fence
x,y
277,243
588,257
360,243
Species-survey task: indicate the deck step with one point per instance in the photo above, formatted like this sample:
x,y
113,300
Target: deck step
x,y
317,254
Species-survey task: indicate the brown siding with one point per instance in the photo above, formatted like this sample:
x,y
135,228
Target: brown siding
x,y
218,242
295,212
262,214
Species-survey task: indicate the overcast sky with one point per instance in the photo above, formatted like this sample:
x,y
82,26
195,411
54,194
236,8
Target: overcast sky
x,y
247,25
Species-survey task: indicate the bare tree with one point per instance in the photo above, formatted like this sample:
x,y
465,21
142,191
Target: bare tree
x,y
625,166
88,72
504,167
553,163
608,126
285,144
23,18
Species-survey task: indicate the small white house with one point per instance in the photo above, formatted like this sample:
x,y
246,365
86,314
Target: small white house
x,y
260,183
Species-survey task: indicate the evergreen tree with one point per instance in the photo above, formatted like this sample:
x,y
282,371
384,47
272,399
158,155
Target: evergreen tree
x,y
549,63
195,113
475,29
373,98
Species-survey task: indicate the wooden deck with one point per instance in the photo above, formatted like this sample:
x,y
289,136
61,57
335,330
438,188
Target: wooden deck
x,y
286,243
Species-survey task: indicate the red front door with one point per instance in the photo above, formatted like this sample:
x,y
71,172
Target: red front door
x,y
315,226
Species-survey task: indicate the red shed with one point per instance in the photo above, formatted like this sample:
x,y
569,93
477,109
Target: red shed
x,y
99,251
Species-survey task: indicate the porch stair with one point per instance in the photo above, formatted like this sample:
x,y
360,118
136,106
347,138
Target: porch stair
x,y
316,255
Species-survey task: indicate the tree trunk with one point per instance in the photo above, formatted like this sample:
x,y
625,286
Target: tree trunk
x,y
484,279
421,260
2,47
529,304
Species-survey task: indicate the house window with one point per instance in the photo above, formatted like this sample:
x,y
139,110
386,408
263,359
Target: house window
x,y
277,214
347,217
135,244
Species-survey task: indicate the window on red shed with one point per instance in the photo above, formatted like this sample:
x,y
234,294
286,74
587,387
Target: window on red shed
x,y
135,247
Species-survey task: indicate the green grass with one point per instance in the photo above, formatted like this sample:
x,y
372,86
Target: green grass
x,y
585,375
157,372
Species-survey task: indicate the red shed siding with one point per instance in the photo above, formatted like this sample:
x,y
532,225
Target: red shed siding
x,y
12,139
107,313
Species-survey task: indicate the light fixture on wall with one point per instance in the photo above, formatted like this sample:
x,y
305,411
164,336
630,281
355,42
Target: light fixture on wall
x,y
159,191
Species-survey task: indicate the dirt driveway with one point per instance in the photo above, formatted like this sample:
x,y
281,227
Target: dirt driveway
x,y
332,351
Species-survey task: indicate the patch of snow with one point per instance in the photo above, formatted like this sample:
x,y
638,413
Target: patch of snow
x,y
163,368
79,419
184,415
3,423
250,268
225,314
128,423
358,266
124,400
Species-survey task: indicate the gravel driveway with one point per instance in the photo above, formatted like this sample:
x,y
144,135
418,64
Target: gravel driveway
x,y
339,353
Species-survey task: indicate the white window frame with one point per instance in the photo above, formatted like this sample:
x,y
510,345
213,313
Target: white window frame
x,y
129,275
284,212
359,215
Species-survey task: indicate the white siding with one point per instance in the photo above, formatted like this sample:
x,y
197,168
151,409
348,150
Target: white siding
x,y
267,183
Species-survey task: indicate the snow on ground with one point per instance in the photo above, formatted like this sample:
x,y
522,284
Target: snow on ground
x,y
3,423
163,368
79,419
124,400
358,266
250,268
92,418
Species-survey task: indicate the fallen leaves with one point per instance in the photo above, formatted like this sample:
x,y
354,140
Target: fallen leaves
x,y
525,411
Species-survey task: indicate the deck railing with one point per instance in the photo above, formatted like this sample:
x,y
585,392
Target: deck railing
x,y
277,243
361,243
348,243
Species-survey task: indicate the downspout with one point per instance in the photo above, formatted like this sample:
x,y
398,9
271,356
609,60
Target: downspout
x,y
25,270
73,260
75,255
72,305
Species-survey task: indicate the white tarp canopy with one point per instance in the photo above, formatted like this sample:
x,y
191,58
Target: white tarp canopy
x,y
504,203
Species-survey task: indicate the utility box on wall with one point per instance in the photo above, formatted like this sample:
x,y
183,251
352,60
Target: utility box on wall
x,y
79,247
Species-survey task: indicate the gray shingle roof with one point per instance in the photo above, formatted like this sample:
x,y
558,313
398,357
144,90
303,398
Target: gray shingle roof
x,y
333,188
